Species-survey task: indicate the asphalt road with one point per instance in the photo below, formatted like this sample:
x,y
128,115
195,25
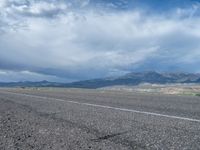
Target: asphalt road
x,y
72,119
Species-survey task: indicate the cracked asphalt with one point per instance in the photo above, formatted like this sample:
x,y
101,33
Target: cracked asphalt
x,y
52,121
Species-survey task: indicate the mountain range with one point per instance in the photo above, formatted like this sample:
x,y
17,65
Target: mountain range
x,y
129,79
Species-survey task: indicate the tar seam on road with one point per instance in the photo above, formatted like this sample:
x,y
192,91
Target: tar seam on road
x,y
107,107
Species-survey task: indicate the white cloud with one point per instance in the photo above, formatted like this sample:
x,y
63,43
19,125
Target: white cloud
x,y
66,43
2,72
12,76
41,8
2,3
189,12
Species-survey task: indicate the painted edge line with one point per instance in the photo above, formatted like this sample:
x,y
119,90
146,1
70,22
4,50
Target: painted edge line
x,y
104,106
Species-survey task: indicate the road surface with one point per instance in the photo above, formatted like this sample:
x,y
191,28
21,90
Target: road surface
x,y
73,119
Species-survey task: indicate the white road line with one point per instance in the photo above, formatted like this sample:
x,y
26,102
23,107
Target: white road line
x,y
104,106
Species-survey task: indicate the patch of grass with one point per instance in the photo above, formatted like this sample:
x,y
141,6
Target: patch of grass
x,y
187,94
197,94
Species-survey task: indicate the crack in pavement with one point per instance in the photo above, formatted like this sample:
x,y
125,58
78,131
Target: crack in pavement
x,y
108,136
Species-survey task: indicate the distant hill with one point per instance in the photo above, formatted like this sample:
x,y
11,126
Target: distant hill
x,y
30,84
138,78
128,79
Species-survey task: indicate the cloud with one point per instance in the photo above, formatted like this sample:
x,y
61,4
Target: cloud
x,y
53,38
40,9
33,8
13,76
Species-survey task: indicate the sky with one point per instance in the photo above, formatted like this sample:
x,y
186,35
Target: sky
x,y
71,40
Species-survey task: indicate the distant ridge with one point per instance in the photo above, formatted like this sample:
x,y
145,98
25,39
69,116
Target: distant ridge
x,y
29,84
128,79
138,78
